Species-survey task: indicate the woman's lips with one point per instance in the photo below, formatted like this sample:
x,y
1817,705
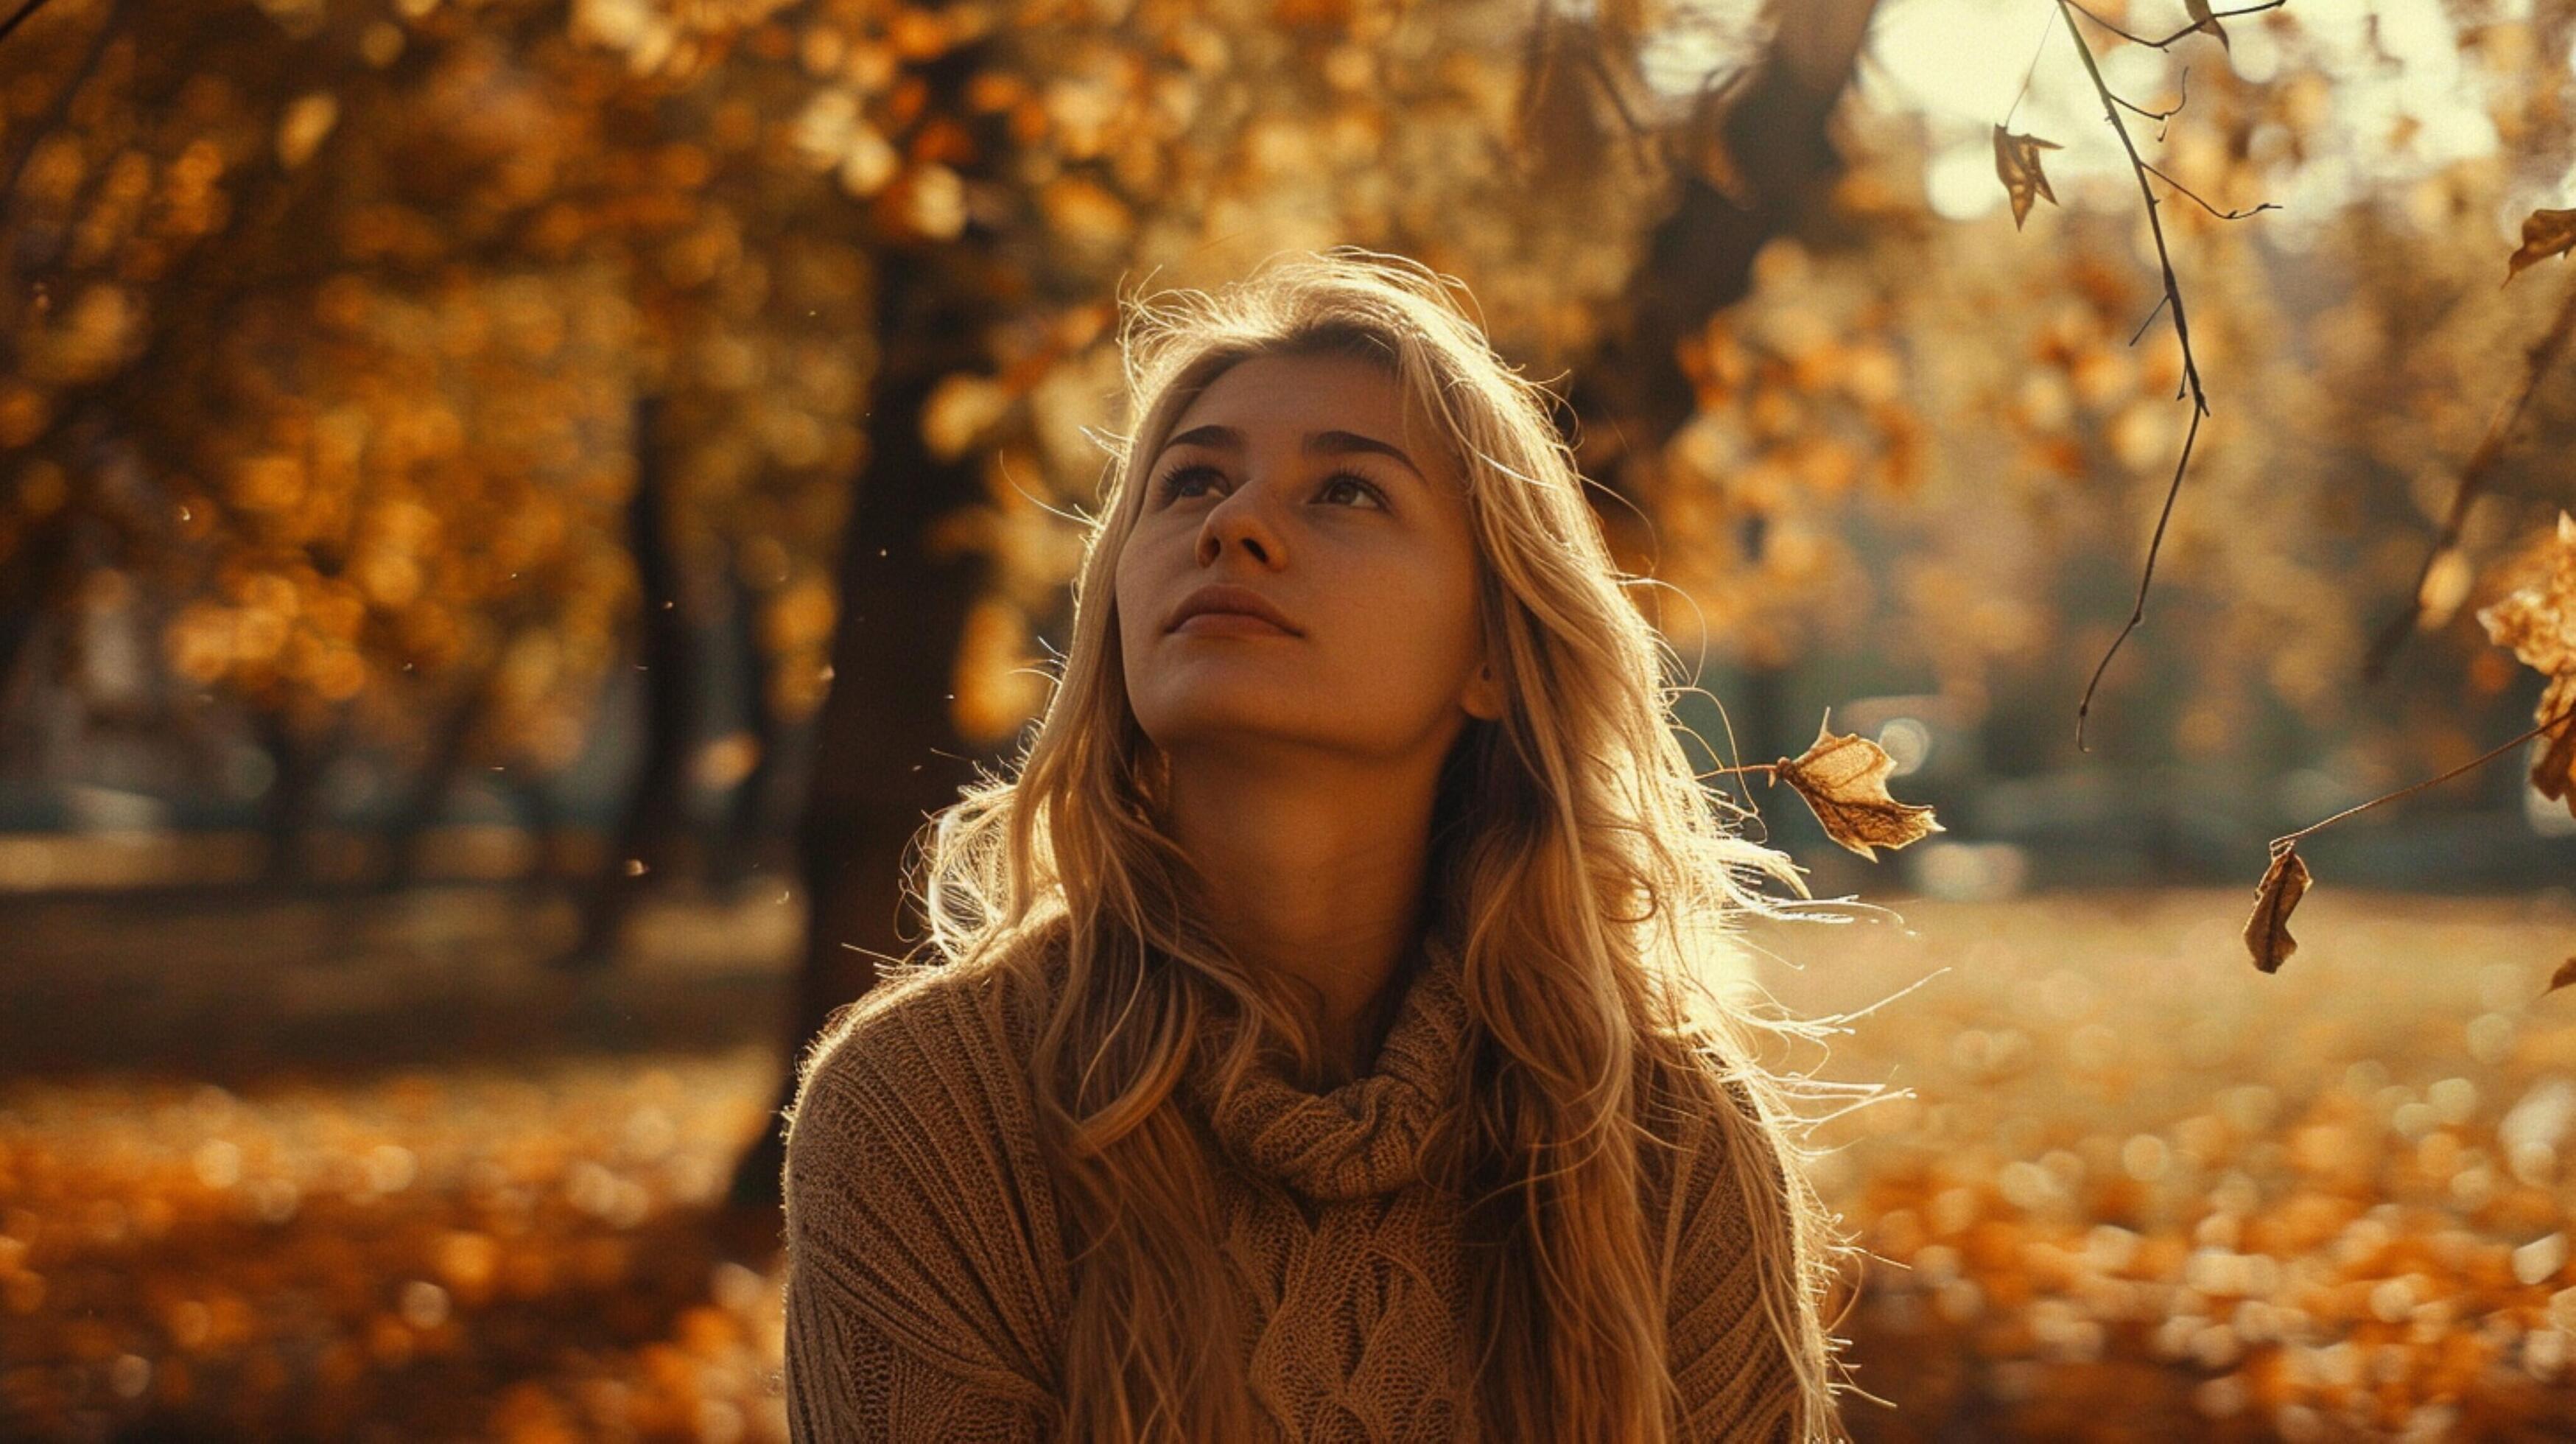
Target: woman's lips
x,y
1230,624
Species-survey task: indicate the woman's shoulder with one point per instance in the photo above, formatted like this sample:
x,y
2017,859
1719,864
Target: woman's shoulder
x,y
936,1046
914,1173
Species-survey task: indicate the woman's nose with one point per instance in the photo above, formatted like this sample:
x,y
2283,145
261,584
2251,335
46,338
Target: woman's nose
x,y
1243,518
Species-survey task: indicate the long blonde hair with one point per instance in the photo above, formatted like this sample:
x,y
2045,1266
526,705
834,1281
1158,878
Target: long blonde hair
x,y
1583,877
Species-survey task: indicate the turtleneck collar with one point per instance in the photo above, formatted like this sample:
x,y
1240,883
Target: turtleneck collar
x,y
1363,1137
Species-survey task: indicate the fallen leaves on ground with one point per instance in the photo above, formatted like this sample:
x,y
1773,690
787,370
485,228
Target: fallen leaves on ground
x,y
431,1254
2141,1193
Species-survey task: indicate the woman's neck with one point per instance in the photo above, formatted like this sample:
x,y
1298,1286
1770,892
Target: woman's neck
x,y
1313,874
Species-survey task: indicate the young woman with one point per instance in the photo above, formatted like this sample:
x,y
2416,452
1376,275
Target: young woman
x,y
1327,1037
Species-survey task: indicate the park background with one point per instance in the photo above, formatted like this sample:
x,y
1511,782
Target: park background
x,y
511,514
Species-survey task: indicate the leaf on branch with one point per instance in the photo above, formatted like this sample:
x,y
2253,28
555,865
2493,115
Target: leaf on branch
x,y
1844,782
2545,234
2554,775
2267,933
2017,166
2539,623
2204,20
2566,974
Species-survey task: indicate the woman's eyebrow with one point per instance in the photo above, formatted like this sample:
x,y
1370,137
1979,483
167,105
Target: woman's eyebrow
x,y
1318,443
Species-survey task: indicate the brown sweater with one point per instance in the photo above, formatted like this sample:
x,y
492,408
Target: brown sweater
x,y
928,1261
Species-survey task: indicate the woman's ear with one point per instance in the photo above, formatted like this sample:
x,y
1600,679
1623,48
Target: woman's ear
x,y
1483,698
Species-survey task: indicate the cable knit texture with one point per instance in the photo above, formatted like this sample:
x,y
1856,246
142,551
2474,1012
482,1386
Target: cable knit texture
x,y
928,1271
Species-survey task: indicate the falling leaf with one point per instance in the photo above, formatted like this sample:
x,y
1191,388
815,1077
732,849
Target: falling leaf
x,y
2017,166
2545,234
2267,933
2566,974
1844,782
2204,20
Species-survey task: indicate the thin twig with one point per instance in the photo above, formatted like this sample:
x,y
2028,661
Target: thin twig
x,y
2146,577
2179,35
2028,71
2161,116
2543,358
2204,205
2136,335
2191,387
14,21
2482,760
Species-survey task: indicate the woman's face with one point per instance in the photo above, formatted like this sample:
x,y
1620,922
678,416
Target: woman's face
x,y
1295,478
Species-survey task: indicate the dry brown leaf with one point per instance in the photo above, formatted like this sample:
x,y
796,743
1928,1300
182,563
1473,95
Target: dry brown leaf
x,y
2566,974
2539,623
1844,782
2017,166
2200,13
2544,234
2267,933
2555,773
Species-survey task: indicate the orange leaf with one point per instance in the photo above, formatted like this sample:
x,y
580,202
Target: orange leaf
x,y
2267,933
1844,782
2017,166
2544,234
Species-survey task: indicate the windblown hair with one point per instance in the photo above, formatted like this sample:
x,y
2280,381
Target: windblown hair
x,y
1586,882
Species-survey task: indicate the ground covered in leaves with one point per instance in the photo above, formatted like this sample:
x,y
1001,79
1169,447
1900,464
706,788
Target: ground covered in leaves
x,y
2139,1190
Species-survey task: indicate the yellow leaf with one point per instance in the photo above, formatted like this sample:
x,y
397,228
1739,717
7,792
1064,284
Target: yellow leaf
x,y
1844,782
2267,933
2017,166
2544,234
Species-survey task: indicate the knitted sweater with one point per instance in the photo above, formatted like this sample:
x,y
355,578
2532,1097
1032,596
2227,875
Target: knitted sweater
x,y
927,1256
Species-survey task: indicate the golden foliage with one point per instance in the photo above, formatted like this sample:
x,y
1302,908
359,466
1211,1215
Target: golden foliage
x,y
2539,623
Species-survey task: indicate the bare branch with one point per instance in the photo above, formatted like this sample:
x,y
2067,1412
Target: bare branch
x,y
2138,613
13,22
2204,205
2471,765
2178,36
2135,336
2191,387
2161,116
2544,357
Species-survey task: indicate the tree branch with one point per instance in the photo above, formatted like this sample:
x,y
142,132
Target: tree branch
x,y
2178,36
2191,387
2544,356
2204,205
2473,764
2160,117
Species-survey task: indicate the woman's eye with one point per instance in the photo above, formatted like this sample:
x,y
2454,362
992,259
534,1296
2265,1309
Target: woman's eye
x,y
1356,480
1176,482
1179,476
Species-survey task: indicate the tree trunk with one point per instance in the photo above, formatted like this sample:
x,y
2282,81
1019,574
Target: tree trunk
x,y
887,753
641,849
